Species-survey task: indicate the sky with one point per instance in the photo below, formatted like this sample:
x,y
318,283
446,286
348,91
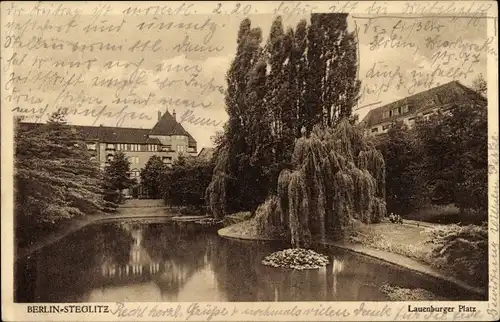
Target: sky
x,y
398,57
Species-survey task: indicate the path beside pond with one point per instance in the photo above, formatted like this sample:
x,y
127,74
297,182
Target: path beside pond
x,y
132,209
402,245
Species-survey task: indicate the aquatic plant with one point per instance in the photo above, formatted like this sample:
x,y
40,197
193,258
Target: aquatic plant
x,y
395,293
296,258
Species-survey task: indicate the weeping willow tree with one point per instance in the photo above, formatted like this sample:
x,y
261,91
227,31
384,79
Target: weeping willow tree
x,y
337,176
217,189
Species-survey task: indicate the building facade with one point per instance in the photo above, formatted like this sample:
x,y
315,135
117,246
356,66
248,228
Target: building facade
x,y
167,139
424,104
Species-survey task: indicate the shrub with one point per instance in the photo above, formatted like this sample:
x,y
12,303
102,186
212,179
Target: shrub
x,y
463,250
185,183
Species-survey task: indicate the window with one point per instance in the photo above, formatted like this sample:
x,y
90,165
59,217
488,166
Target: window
x,y
91,146
167,159
395,112
135,173
375,130
110,146
134,160
405,109
386,114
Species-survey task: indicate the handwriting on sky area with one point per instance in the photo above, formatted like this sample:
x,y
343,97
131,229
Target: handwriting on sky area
x,y
126,63
413,55
107,64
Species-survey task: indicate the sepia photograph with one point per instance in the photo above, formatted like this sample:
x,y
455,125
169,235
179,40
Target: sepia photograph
x,y
185,153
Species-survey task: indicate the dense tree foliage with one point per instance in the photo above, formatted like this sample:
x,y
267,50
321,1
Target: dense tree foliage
x,y
404,181
54,175
151,177
276,92
117,177
184,184
442,160
455,156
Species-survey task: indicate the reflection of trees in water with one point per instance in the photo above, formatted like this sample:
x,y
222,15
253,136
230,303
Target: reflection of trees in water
x,y
181,250
170,254
239,272
63,271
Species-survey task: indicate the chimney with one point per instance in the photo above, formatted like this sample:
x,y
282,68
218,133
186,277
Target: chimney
x,y
159,115
173,114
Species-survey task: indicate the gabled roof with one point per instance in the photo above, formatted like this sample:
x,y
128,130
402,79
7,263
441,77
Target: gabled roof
x,y
167,125
206,153
446,94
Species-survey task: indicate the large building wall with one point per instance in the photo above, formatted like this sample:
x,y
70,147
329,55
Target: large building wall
x,y
138,159
408,120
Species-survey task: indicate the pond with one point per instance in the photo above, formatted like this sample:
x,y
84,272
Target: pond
x,y
155,262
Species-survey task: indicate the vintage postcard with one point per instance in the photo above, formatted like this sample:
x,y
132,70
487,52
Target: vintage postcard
x,y
250,161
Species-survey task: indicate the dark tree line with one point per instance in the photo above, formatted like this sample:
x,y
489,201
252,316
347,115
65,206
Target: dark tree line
x,y
443,160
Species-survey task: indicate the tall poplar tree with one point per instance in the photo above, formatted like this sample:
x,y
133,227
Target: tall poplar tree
x,y
275,94
332,84
231,171
300,48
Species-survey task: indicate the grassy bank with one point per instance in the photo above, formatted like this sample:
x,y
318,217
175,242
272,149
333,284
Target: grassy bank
x,y
460,251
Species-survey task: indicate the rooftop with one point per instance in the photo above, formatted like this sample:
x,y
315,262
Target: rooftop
x,y
446,94
166,126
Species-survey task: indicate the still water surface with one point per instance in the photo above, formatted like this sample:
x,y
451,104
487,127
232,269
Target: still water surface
x,y
155,262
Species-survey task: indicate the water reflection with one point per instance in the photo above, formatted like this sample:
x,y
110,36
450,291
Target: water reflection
x,y
171,262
